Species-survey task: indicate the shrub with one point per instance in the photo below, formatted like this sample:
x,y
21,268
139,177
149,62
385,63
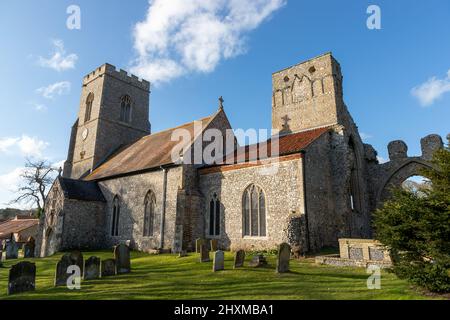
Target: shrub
x,y
416,228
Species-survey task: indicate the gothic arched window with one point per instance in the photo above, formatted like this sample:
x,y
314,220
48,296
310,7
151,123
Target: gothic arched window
x,y
89,101
254,212
125,109
149,214
214,216
115,217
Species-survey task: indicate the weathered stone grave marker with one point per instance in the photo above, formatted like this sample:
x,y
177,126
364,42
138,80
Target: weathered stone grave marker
x,y
204,253
108,267
214,244
74,258
92,268
22,277
12,249
283,258
77,259
239,258
61,274
219,261
28,248
198,244
122,257
258,261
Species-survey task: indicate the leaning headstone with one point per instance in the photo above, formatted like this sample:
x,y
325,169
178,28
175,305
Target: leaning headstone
x,y
92,268
77,259
219,263
214,245
28,248
108,267
122,257
61,274
12,249
204,253
258,261
22,277
198,244
284,255
239,259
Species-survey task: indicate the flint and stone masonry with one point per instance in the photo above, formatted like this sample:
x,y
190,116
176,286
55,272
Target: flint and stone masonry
x,y
122,184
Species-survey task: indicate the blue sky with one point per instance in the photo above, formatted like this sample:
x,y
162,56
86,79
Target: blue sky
x,y
380,67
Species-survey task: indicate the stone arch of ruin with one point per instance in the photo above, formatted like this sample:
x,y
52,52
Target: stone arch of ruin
x,y
401,172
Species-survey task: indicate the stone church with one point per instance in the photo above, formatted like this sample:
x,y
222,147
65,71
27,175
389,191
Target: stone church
x,y
121,183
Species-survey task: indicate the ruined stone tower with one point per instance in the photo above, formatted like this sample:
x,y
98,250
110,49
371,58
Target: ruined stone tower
x,y
308,95
114,111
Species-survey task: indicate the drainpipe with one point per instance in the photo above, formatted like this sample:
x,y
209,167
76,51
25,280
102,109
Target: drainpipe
x,y
308,247
163,208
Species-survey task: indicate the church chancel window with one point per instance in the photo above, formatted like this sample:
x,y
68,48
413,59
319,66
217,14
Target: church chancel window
x,y
149,214
214,216
115,217
89,101
254,212
125,109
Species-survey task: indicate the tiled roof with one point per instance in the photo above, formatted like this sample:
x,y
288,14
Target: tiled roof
x,y
81,190
15,226
149,152
287,144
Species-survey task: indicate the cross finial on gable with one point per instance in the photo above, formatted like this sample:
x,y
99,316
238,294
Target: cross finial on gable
x,y
221,101
286,120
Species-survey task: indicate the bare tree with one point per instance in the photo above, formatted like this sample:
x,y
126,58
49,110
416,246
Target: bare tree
x,y
36,178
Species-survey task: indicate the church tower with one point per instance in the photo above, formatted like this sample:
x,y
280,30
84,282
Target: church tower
x,y
308,95
114,111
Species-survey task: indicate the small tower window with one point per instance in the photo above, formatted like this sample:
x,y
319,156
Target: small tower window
x,y
125,109
89,101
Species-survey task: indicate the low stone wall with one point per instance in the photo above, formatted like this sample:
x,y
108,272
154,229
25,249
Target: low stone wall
x,y
335,260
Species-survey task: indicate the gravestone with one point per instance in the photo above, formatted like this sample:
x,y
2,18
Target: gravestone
x,y
198,244
214,244
258,261
204,253
219,263
239,259
22,278
77,259
92,268
178,239
122,257
12,249
61,274
283,257
108,267
28,248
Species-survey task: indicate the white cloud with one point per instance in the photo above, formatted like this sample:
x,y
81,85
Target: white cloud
x,y
59,60
55,89
25,145
9,183
433,89
179,37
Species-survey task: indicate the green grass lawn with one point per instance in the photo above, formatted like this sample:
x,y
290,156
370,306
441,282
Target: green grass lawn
x,y
169,277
